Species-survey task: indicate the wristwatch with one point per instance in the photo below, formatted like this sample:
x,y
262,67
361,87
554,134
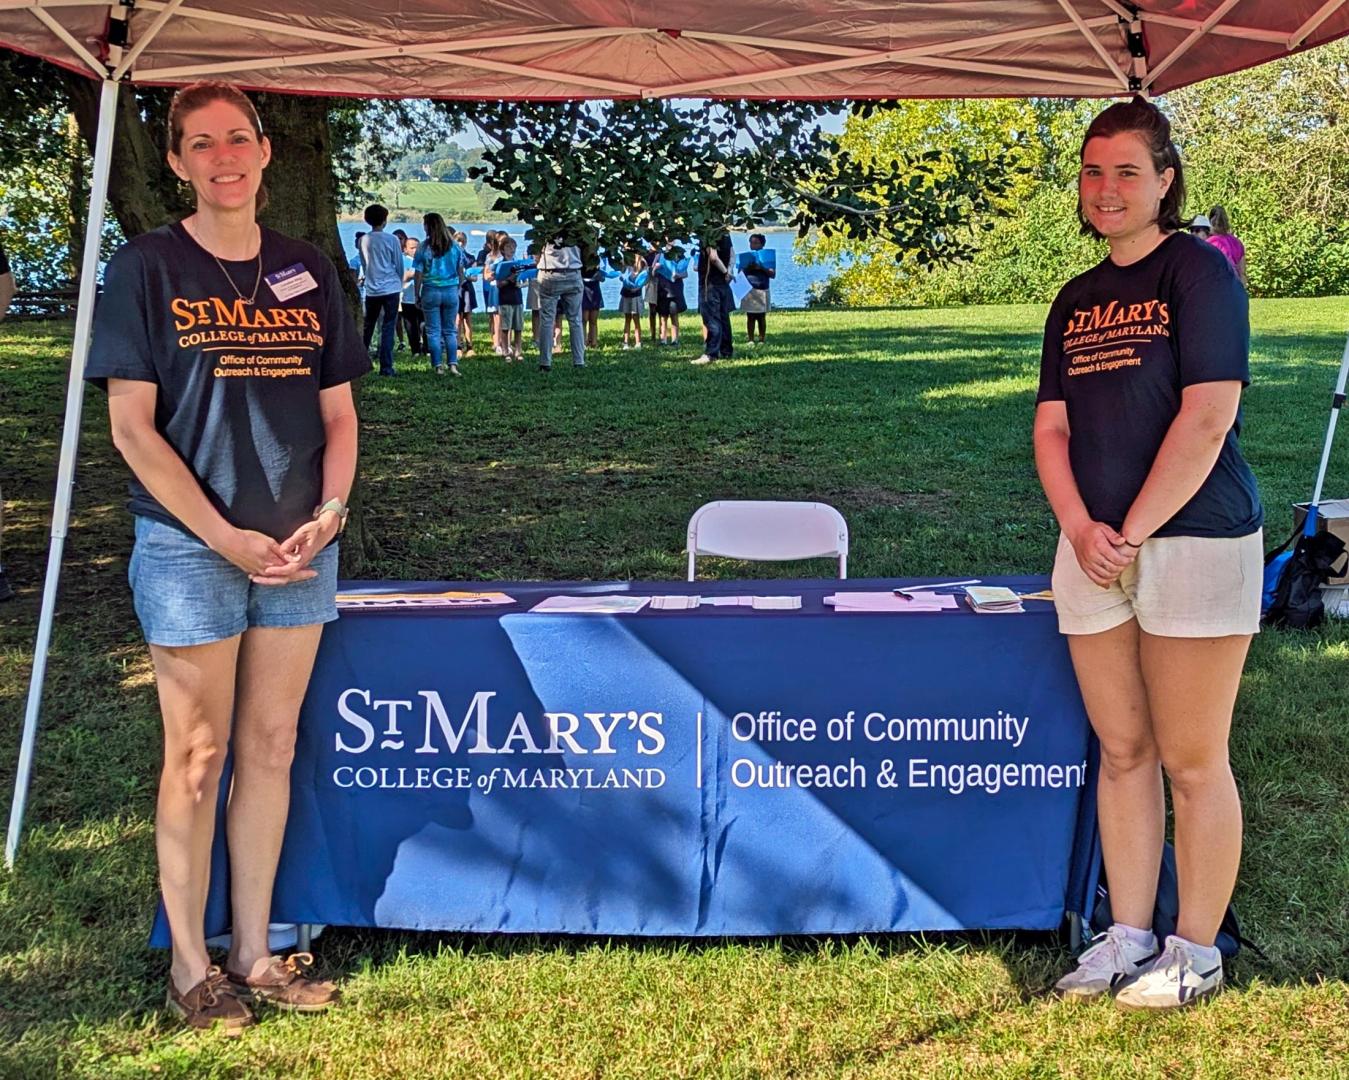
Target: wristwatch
x,y
338,507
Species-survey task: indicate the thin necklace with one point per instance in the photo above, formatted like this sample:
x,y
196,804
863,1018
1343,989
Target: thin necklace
x,y
256,281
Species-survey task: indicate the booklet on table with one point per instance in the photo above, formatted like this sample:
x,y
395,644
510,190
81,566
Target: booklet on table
x,y
993,599
592,605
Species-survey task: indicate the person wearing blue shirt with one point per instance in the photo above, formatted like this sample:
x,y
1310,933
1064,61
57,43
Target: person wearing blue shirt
x,y
356,264
412,317
631,289
671,273
383,283
439,268
759,273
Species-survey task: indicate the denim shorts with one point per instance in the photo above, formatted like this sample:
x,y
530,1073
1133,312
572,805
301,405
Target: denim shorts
x,y
186,594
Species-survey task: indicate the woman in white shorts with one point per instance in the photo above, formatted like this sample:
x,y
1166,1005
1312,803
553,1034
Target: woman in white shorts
x,y
1158,574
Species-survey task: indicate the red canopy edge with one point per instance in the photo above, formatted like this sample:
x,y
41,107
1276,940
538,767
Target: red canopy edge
x,y
554,49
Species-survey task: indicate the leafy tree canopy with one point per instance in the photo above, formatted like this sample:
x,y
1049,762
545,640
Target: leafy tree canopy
x,y
612,175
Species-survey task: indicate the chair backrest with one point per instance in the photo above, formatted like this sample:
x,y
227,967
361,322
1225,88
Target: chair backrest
x,y
765,530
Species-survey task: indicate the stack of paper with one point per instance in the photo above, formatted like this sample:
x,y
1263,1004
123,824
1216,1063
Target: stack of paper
x,y
993,599
889,601
592,605
758,603
377,601
675,603
775,603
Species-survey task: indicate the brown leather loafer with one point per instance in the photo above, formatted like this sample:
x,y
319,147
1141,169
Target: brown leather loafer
x,y
287,985
212,1002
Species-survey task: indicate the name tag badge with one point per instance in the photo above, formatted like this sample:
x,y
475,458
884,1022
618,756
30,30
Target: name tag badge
x,y
292,281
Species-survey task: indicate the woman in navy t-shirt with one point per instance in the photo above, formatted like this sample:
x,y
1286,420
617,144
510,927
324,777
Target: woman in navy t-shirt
x,y
1158,574
228,351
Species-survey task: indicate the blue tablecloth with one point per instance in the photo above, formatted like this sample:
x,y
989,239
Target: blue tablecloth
x,y
709,772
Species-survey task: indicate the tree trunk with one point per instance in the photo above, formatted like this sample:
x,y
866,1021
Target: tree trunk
x,y
302,202
143,191
77,203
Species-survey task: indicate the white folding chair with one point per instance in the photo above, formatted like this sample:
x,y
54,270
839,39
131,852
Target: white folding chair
x,y
765,530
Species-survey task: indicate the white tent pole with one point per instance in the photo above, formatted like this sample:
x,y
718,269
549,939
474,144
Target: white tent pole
x,y
70,438
1336,404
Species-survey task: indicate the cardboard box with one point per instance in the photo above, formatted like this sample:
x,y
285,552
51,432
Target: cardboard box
x,y
1333,515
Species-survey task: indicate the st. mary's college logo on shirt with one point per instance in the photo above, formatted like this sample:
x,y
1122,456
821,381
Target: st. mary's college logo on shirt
x,y
1106,337
240,340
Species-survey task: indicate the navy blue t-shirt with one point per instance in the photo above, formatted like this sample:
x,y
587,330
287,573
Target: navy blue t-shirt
x,y
1121,344
238,384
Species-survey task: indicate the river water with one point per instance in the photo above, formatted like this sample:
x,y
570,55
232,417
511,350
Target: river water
x,y
789,287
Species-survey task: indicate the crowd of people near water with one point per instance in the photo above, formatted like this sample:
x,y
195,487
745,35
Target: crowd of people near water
x,y
422,295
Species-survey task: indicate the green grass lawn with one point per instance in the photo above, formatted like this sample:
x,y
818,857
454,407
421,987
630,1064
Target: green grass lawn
x,y
916,425
453,201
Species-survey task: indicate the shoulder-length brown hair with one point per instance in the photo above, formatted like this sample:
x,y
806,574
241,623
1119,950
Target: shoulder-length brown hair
x,y
191,98
1148,122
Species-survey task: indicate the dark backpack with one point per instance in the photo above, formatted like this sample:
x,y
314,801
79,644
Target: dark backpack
x,y
1167,910
1293,580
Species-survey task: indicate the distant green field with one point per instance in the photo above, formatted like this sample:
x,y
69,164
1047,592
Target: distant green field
x,y
452,200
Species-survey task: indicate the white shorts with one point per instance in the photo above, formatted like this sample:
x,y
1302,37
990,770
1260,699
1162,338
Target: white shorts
x,y
1179,586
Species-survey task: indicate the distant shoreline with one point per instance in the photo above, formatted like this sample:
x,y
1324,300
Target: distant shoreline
x,y
414,217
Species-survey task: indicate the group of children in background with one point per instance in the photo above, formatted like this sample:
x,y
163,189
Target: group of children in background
x,y
652,283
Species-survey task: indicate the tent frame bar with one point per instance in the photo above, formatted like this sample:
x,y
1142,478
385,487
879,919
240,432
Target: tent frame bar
x,y
1301,34
937,54
71,43
155,27
70,440
1094,42
1185,46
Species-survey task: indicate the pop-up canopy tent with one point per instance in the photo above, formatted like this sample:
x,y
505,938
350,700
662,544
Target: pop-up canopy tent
x,y
555,49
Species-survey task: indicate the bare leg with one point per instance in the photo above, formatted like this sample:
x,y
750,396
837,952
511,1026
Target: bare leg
x,y
196,697
1131,807
1192,686
274,669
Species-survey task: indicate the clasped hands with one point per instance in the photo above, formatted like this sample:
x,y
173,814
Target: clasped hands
x,y
272,562
1102,552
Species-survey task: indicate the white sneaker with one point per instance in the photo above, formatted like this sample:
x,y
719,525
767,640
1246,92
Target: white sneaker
x,y
626,346
704,359
1177,979
1104,966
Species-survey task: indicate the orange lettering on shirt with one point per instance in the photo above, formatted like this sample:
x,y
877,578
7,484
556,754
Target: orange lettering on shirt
x,y
183,310
233,315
